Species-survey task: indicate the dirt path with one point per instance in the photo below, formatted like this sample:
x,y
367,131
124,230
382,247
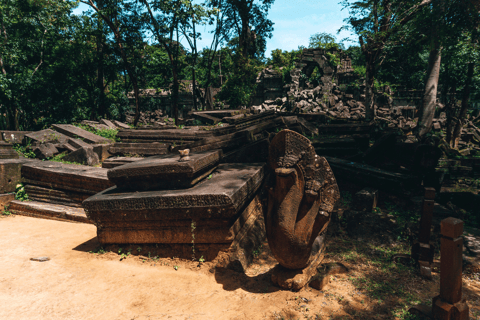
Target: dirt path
x,y
76,284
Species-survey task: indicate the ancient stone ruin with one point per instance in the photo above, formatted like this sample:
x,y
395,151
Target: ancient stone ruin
x,y
158,199
301,198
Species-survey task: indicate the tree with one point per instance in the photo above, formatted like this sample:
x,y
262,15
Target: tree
x,y
375,21
123,20
324,40
246,22
28,29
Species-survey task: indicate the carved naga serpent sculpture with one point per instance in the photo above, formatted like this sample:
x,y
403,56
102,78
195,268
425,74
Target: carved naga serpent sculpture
x,y
300,200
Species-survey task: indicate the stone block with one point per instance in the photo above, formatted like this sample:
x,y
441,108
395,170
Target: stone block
x,y
75,132
48,211
165,171
145,149
61,176
366,200
84,155
46,136
442,310
108,123
45,151
164,216
7,151
102,150
10,175
77,143
14,136
119,161
121,125
5,199
451,228
54,196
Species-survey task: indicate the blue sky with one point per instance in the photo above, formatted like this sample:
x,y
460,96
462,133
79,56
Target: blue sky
x,y
294,23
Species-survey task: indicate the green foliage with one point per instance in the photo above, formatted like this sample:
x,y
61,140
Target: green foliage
x,y
240,86
6,212
25,151
110,134
284,61
324,40
20,193
59,158
98,250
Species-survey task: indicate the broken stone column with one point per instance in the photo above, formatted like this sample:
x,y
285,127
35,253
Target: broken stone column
x,y
450,304
422,250
301,197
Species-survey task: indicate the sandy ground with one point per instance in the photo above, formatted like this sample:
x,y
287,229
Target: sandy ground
x,y
76,284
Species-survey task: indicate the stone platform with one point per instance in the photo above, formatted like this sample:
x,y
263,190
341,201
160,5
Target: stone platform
x,y
225,211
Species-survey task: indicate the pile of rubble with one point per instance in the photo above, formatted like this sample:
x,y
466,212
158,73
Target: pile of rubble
x,y
155,117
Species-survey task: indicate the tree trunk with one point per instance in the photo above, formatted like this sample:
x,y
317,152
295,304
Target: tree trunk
x,y
369,89
463,111
195,53
430,95
450,110
102,110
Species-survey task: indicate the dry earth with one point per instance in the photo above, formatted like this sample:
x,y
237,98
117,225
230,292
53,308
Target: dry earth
x,y
77,284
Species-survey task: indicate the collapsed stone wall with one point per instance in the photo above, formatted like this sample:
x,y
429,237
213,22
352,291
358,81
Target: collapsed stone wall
x,y
300,95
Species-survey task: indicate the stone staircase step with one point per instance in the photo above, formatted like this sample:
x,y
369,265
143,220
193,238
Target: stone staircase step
x,y
44,210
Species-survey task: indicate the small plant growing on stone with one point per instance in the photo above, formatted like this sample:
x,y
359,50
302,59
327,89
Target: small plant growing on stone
x,y
193,227
20,193
139,249
5,212
176,267
201,260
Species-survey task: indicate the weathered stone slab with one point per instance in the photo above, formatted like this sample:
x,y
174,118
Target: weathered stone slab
x,y
95,125
48,211
121,125
178,231
170,135
55,175
68,198
75,132
220,198
7,151
47,135
45,150
165,171
14,136
119,161
146,149
108,123
206,118
77,143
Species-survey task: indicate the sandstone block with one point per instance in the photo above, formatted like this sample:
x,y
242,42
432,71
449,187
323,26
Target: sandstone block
x,y
165,171
84,155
